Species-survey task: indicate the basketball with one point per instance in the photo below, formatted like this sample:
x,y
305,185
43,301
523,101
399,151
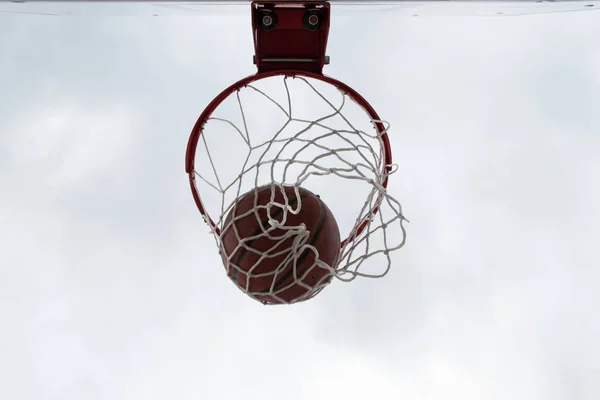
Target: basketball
x,y
263,259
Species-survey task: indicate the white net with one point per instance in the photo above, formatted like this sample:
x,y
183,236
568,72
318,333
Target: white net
x,y
304,133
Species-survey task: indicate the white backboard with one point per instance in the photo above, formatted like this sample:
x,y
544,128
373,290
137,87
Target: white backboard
x,y
401,8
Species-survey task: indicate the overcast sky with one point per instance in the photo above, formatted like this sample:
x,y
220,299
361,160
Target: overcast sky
x,y
112,288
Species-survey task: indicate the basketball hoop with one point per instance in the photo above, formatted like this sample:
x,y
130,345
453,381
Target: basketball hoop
x,y
291,129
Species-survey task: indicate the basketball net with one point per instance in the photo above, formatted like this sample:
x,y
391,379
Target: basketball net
x,y
304,132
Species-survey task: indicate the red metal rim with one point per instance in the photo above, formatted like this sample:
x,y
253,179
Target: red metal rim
x,y
214,104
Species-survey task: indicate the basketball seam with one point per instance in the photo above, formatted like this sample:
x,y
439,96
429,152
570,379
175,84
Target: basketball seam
x,y
244,251
318,230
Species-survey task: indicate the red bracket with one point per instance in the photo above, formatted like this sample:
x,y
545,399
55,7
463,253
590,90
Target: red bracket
x,y
290,35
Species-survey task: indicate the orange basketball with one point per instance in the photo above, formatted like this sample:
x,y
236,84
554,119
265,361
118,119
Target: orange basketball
x,y
273,278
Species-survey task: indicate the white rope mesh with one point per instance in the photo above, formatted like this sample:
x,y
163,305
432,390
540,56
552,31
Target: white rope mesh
x,y
279,233
304,133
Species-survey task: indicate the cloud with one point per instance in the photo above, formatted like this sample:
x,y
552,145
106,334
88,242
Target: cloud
x,y
111,284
